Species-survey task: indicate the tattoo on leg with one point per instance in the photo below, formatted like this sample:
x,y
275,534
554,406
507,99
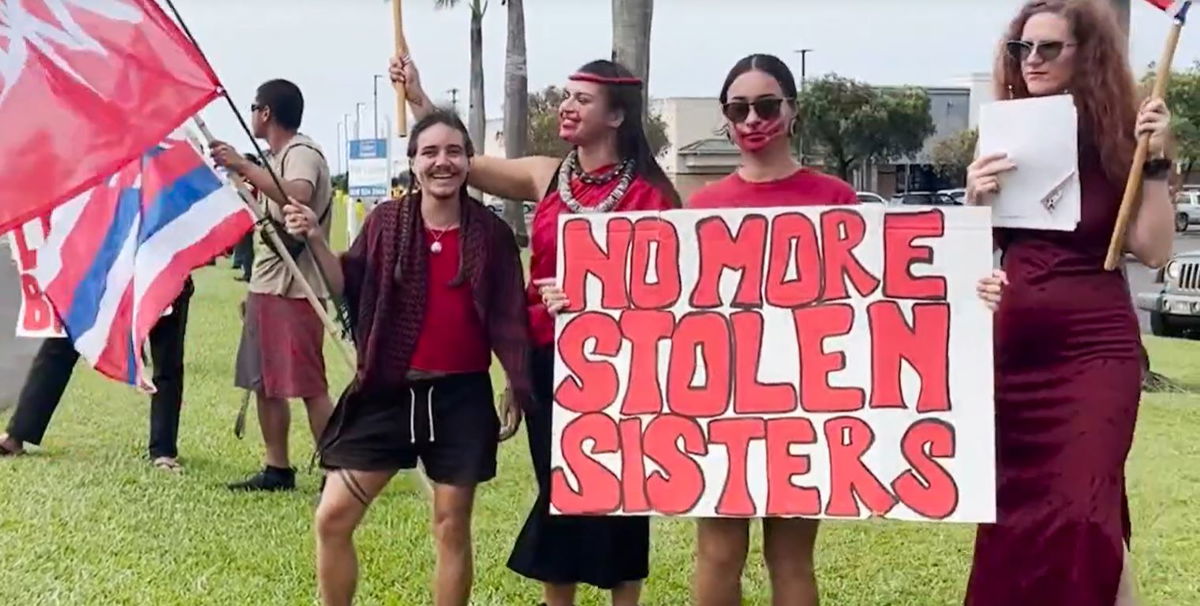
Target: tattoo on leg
x,y
354,487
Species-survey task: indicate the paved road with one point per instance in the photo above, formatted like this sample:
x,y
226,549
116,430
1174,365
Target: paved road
x,y
1141,278
15,354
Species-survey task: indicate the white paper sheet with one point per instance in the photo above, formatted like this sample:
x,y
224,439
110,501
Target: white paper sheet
x,y
1040,136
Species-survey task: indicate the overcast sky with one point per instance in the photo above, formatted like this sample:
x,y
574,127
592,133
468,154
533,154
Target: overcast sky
x,y
331,48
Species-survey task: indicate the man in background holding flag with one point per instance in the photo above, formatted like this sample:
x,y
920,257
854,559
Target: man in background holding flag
x,y
281,352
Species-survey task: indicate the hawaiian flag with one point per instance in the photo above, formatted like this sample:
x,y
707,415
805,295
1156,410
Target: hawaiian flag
x,y
118,255
86,86
1176,8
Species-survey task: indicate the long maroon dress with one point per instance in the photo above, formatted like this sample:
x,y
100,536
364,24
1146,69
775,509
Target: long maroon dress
x,y
1068,381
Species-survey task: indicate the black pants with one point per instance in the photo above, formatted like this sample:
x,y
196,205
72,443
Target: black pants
x,y
243,255
55,361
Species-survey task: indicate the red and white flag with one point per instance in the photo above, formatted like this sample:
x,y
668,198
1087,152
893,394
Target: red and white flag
x,y
1176,8
86,86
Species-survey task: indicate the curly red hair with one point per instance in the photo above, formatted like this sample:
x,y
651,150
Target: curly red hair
x,y
1102,83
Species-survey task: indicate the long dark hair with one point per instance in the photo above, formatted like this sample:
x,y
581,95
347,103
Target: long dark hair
x,y
631,134
412,194
772,66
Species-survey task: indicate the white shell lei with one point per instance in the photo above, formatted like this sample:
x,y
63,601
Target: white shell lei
x,y
570,170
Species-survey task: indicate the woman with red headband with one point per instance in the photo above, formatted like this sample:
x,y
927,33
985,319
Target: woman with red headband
x,y
611,168
759,103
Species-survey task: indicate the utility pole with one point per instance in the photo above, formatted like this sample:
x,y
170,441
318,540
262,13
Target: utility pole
x,y
800,147
454,99
358,107
375,93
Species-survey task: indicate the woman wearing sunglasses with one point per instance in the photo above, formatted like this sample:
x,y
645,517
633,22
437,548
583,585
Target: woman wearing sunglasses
x,y
1068,369
759,103
610,168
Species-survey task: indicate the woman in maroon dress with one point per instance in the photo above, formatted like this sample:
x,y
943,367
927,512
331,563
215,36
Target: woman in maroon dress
x,y
611,168
1068,372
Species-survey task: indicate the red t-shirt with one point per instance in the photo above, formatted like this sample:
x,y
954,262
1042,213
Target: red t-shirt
x,y
543,239
803,188
452,337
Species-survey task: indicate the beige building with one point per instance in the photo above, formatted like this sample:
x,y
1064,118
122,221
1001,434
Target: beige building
x,y
698,151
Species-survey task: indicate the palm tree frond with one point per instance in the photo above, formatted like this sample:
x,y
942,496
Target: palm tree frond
x,y
439,4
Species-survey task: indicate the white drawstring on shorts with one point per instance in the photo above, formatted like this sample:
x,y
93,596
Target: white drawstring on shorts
x,y
412,413
429,409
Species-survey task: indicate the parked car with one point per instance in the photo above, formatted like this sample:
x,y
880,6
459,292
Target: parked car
x,y
1187,209
1175,308
959,195
866,197
924,198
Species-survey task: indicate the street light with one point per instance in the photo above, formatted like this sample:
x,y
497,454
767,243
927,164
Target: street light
x,y
375,95
803,52
339,144
358,119
346,138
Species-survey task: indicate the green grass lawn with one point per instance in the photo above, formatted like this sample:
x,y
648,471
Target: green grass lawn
x,y
85,520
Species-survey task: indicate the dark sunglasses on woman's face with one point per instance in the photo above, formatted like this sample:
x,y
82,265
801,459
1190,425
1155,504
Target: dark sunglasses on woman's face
x,y
255,107
1021,50
765,109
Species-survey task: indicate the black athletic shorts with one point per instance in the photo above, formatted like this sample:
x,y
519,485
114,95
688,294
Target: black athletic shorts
x,y
449,424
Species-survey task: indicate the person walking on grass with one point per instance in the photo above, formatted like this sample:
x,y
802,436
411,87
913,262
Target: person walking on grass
x,y
435,286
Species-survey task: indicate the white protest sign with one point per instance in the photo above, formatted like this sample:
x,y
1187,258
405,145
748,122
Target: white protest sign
x,y
37,318
826,362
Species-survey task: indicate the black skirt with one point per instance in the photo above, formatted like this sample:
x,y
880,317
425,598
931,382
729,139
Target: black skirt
x,y
599,551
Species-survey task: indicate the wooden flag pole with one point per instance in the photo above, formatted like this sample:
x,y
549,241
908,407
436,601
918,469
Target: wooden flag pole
x,y
401,50
1133,186
288,261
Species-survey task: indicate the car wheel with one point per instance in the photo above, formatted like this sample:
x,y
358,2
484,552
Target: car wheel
x,y
1160,326
1181,222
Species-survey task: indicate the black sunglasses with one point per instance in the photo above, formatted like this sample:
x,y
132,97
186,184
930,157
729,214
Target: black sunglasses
x,y
1020,50
255,107
766,109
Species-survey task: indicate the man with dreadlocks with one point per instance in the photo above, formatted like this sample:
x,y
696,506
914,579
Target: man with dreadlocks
x,y
435,286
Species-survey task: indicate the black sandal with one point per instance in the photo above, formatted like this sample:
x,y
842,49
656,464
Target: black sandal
x,y
7,452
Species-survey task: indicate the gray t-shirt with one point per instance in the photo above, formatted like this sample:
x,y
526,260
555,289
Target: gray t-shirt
x,y
299,160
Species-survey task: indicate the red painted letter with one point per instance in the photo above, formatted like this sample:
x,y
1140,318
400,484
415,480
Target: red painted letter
x,y
925,346
644,329
599,489
719,250
594,386
735,434
704,334
788,231
849,439
899,255
751,396
582,256
842,230
678,487
813,326
658,234
633,467
783,497
928,489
